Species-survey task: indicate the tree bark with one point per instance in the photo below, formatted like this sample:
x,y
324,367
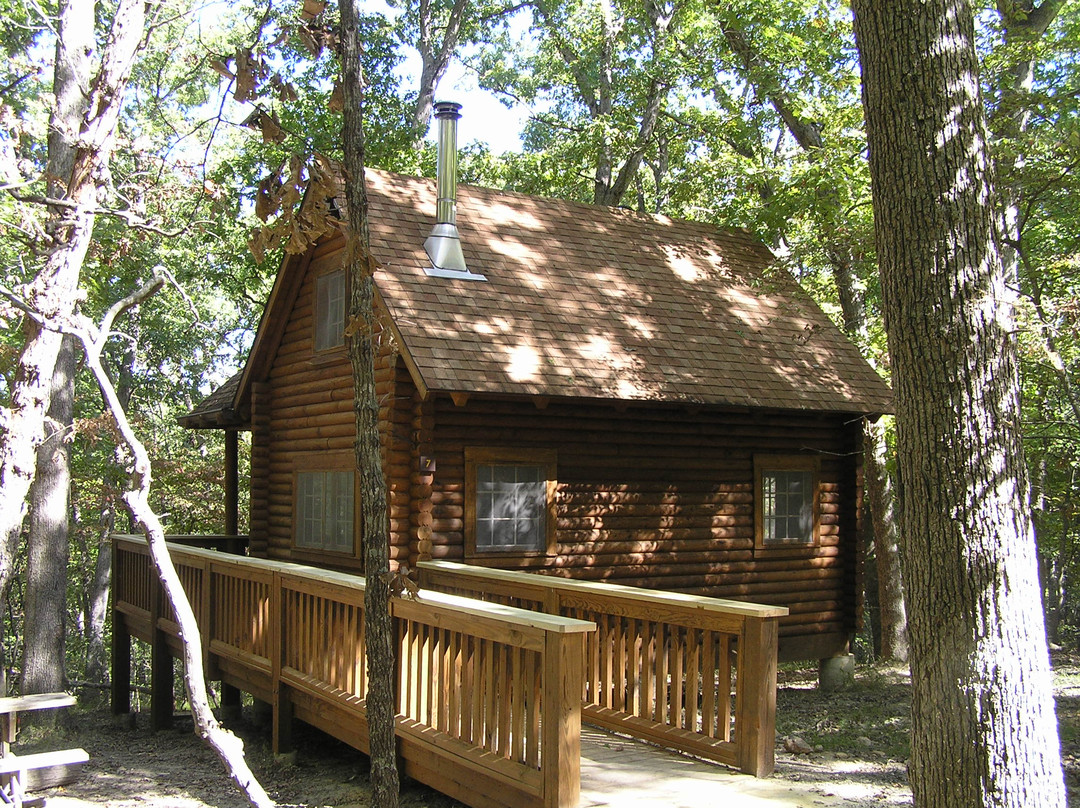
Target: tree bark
x,y
983,726
434,58
360,334
229,748
82,127
47,549
892,617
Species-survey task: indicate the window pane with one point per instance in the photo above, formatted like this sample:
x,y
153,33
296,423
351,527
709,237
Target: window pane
x,y
330,311
511,507
325,504
787,506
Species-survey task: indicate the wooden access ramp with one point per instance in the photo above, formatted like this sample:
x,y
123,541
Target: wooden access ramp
x,y
620,772
490,697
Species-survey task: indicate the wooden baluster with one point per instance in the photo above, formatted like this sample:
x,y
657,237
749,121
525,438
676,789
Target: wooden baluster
x,y
724,689
709,684
532,757
675,667
661,675
693,679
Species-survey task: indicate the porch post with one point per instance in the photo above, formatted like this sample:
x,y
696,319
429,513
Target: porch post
x,y
755,700
230,696
161,662
121,650
232,485
560,727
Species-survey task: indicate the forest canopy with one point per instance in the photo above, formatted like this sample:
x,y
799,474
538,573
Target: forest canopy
x,y
746,114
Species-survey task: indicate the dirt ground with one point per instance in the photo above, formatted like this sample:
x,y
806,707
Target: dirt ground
x,y
857,744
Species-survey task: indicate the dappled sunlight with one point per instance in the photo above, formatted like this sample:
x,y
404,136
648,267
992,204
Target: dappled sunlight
x,y
684,268
642,328
523,364
516,215
608,304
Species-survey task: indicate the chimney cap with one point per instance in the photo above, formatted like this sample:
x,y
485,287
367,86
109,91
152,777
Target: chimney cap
x,y
444,109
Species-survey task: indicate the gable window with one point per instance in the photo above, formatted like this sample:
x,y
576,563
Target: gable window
x,y
325,513
786,500
330,310
510,502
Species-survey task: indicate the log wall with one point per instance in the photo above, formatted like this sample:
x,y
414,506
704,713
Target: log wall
x,y
662,497
305,407
648,495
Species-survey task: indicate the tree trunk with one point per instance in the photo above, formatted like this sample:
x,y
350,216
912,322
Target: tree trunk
x,y
97,600
434,58
892,617
229,748
983,726
82,134
47,550
360,334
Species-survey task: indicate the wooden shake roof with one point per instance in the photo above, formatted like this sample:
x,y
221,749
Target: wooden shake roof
x,y
583,301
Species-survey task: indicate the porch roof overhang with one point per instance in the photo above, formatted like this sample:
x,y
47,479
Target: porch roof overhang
x,y
218,410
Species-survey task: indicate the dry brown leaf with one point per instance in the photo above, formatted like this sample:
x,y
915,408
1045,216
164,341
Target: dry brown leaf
x,y
271,128
297,242
245,75
307,39
337,99
256,245
222,69
312,8
287,93
265,198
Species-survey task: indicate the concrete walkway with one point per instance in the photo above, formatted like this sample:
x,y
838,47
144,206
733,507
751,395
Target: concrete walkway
x,y
624,773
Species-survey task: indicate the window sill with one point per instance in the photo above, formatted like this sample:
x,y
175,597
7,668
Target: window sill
x,y
326,559
536,560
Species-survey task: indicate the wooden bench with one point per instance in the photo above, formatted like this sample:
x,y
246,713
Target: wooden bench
x,y
15,769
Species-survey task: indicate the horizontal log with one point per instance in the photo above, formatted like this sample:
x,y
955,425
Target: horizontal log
x,y
317,408
659,419
673,524
683,506
655,534
286,429
725,547
298,374
300,397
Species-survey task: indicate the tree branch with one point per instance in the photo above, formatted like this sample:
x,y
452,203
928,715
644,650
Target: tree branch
x,y
133,220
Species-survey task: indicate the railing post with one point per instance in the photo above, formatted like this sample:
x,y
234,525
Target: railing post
x,y
282,706
121,646
161,661
755,702
561,723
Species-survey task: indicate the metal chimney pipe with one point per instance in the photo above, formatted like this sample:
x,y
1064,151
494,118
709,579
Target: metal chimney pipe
x,y
447,114
443,246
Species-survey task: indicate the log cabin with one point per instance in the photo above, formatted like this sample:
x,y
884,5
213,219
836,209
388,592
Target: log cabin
x,y
569,389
